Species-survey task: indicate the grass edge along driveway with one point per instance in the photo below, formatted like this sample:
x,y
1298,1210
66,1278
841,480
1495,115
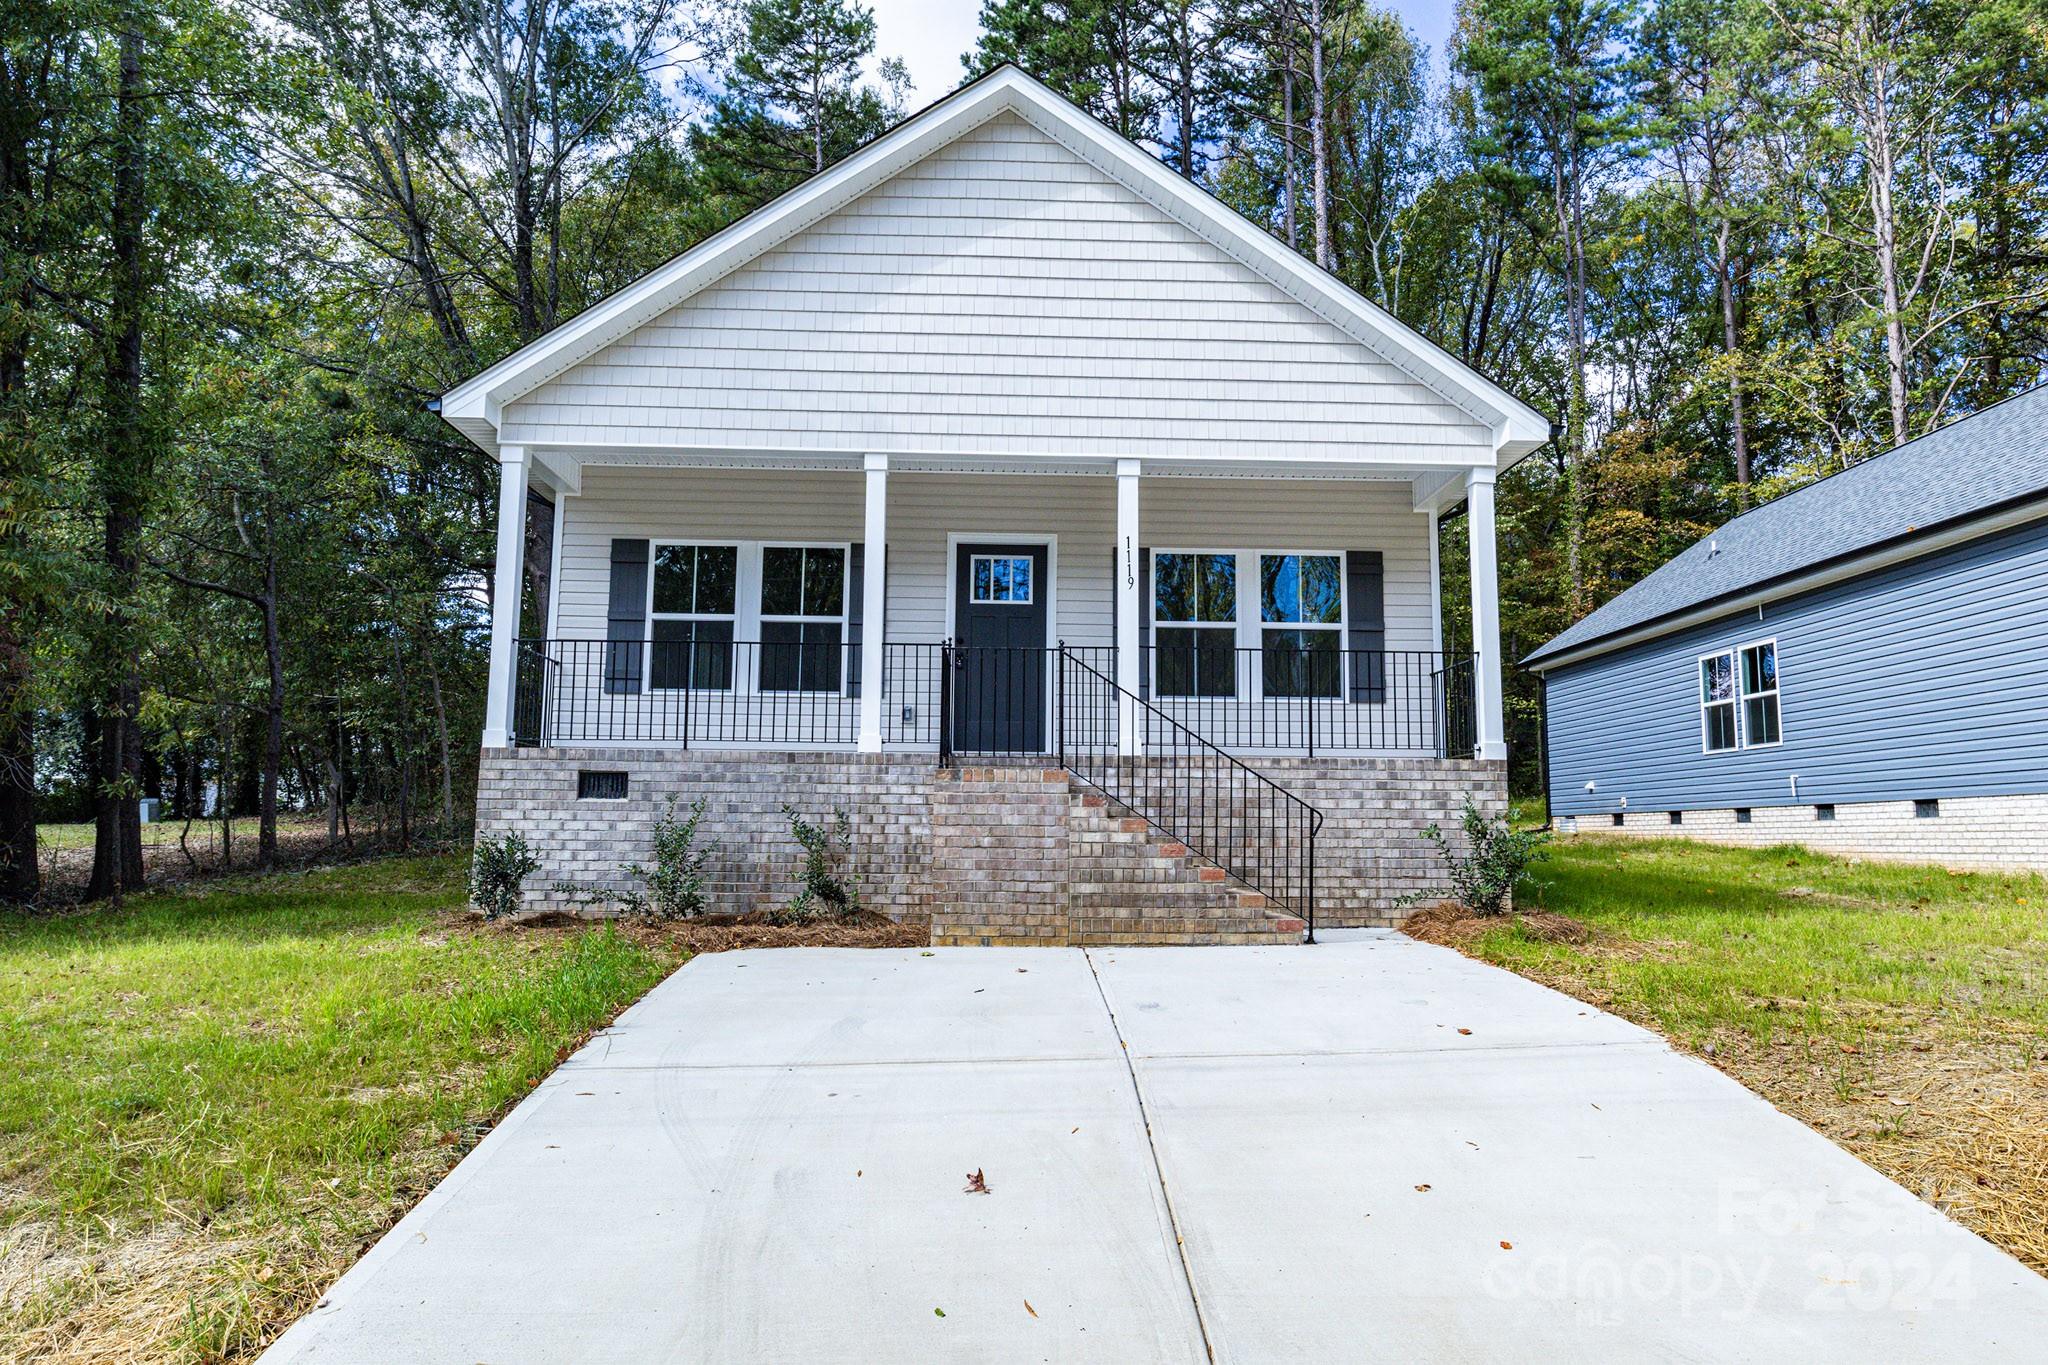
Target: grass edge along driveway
x,y
1900,1010
217,1097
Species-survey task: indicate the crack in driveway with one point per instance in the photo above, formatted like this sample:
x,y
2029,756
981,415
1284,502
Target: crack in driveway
x,y
1180,1245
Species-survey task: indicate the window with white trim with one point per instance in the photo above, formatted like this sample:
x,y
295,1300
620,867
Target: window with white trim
x,y
694,600
1194,624
1301,615
1000,579
803,618
1717,702
1760,721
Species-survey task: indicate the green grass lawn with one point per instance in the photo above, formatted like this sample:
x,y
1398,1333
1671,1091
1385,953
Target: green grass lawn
x,y
215,1097
1766,940
1901,1010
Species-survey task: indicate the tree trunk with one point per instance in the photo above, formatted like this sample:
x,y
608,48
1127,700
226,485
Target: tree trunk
x,y
273,712
1571,225
223,790
20,877
1731,345
117,843
1319,143
441,740
402,758
1885,230
1291,175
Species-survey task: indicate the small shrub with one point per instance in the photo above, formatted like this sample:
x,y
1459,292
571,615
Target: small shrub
x,y
1483,878
499,865
829,886
675,884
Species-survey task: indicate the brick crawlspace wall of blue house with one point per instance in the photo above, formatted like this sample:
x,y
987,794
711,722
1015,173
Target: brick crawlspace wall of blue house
x,y
1925,679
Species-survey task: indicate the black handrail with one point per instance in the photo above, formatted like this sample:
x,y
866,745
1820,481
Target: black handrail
x,y
1229,814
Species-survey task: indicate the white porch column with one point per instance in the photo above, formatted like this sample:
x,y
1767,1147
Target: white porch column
x,y
874,586
506,582
1128,665
1489,721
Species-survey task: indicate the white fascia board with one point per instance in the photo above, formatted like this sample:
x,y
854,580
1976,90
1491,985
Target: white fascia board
x,y
476,403
1858,566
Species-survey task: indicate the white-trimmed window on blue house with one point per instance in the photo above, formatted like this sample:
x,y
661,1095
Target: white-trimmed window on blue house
x,y
803,618
694,593
1194,623
1301,633
1718,728
1760,719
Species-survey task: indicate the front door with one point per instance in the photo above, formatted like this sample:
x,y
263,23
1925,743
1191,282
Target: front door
x,y
1000,659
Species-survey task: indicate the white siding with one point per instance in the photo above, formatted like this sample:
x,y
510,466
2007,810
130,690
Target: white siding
x,y
1078,514
924,509
1000,297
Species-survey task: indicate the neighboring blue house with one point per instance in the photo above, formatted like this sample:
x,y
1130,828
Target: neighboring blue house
x,y
1861,665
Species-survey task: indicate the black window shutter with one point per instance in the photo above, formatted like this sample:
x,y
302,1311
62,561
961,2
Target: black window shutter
x,y
626,618
1365,584
856,586
1145,624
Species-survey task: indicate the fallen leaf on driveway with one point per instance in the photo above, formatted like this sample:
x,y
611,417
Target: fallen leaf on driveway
x,y
937,1312
1507,1246
1422,1189
1467,1032
975,1184
1029,1309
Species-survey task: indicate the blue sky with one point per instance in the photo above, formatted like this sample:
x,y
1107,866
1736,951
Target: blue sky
x,y
930,35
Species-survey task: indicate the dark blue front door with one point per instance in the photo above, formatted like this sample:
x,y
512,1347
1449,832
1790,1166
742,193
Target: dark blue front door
x,y
1000,660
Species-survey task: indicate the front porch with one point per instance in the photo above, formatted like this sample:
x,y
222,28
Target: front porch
x,y
1061,700
706,604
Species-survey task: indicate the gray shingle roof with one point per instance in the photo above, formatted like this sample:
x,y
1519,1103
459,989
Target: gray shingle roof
x,y
1967,467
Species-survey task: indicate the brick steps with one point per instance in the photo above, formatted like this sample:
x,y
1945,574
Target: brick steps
x,y
1132,884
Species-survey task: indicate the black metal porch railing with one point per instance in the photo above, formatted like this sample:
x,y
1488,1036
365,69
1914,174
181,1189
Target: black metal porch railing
x,y
717,692
1459,706
1311,701
998,701
1227,813
989,702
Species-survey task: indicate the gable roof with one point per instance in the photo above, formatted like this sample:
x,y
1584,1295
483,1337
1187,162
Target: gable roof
x,y
475,406
1970,468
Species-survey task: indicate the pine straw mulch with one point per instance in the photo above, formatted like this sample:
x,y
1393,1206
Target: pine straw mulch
x,y
1958,1118
1451,926
714,933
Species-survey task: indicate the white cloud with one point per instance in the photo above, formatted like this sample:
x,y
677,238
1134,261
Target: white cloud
x,y
929,35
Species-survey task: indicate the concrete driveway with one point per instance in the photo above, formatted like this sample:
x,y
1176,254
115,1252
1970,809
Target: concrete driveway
x,y
1368,1149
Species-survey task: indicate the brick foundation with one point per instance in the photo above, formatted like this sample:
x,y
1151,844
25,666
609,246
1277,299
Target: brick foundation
x,y
1971,833
981,854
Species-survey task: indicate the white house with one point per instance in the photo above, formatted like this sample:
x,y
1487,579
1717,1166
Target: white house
x,y
998,462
